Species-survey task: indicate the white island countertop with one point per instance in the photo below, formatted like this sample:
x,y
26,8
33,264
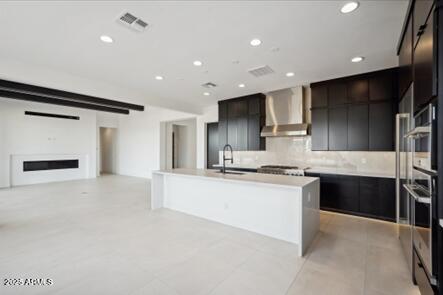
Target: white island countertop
x,y
256,178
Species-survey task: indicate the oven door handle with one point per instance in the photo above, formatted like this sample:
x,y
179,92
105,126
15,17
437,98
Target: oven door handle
x,y
417,198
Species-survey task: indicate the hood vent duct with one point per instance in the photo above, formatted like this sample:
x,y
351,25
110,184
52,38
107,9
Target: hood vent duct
x,y
285,113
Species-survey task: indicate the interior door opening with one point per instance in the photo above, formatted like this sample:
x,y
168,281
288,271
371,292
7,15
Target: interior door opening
x,y
108,150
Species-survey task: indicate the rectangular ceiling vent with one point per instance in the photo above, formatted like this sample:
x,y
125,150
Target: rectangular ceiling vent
x,y
261,71
131,21
209,85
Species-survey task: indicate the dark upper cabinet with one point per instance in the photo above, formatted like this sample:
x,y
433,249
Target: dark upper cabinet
x,y
319,129
346,125
237,108
232,133
381,87
238,133
405,61
424,80
255,143
358,90
337,94
381,123
242,133
358,127
319,96
338,129
222,110
222,124
240,122
422,10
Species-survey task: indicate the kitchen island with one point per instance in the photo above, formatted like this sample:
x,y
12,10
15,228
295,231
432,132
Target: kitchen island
x,y
278,206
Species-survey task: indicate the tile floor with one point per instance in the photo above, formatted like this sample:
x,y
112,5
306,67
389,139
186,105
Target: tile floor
x,y
99,237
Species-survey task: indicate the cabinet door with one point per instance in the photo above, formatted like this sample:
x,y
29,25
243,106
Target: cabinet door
x,y
423,67
381,87
222,124
381,123
319,96
237,108
242,133
329,191
348,199
337,94
369,196
358,90
232,133
422,9
338,129
387,198
254,106
255,141
212,138
319,130
358,128
405,61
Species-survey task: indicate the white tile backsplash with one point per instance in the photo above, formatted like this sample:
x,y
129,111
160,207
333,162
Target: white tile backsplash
x,y
297,151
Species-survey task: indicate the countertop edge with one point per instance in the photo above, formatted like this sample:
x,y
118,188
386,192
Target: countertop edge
x,y
240,180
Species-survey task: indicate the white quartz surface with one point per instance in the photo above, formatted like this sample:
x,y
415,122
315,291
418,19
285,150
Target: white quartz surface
x,y
326,170
256,178
342,171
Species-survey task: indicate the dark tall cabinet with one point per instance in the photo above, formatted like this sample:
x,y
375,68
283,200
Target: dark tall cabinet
x,y
240,122
355,113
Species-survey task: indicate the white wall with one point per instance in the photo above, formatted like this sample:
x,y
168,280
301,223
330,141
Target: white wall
x,y
210,114
30,135
139,140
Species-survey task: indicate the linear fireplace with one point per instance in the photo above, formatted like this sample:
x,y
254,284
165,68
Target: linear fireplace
x,y
49,165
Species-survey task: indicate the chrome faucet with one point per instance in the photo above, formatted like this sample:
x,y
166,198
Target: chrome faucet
x,y
227,146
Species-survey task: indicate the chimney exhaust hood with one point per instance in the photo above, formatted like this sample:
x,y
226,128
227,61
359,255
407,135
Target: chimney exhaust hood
x,y
285,113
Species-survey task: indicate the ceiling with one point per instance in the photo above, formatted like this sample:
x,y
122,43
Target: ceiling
x,y
313,39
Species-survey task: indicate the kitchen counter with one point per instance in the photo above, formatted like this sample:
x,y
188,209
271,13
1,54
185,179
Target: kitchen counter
x,y
278,206
341,171
255,178
325,170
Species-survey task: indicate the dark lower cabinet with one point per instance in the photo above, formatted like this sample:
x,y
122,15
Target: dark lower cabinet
x,y
364,196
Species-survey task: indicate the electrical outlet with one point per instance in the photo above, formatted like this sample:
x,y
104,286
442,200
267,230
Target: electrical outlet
x,y
363,160
226,206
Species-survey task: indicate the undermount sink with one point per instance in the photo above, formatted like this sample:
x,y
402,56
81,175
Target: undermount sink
x,y
230,172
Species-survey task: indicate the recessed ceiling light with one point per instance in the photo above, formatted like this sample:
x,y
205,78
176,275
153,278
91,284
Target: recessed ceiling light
x,y
197,63
241,85
349,7
290,74
158,78
357,59
255,42
206,93
106,39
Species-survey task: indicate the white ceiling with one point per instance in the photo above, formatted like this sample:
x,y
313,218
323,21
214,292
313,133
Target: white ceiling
x,y
314,39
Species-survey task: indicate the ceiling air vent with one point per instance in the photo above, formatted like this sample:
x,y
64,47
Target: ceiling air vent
x,y
261,71
209,85
129,20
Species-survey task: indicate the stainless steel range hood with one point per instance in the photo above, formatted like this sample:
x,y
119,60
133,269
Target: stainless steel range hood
x,y
285,113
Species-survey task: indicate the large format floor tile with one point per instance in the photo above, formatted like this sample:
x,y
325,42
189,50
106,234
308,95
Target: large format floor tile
x,y
100,237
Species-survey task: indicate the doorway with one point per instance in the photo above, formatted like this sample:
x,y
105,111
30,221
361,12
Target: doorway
x,y
108,150
178,144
